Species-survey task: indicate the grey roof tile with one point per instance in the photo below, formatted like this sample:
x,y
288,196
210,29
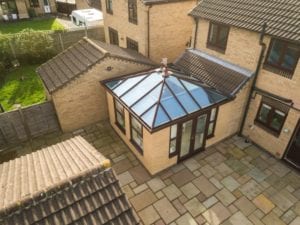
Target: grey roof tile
x,y
62,184
282,16
225,77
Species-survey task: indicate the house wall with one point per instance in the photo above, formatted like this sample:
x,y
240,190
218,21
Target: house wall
x,y
82,4
230,116
82,101
22,9
119,21
243,49
170,29
155,146
275,145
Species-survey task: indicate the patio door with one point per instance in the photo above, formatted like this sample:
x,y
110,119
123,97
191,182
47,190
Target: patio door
x,y
47,8
293,152
192,136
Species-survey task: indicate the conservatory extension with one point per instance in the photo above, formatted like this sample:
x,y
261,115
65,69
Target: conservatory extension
x,y
163,117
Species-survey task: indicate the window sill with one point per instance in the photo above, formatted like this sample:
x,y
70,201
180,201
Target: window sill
x,y
171,155
267,129
215,48
133,22
137,147
278,71
120,127
109,12
210,136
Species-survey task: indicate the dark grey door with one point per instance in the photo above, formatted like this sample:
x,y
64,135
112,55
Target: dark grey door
x,y
293,152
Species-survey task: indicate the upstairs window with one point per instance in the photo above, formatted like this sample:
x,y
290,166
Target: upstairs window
x,y
113,36
132,11
34,3
271,115
283,55
217,36
119,115
131,44
109,6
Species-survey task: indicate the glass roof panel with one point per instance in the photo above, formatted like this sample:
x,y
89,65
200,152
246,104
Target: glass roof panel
x,y
149,116
127,84
170,104
161,117
144,103
141,89
112,84
182,95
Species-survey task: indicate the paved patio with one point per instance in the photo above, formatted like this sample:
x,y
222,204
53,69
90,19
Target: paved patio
x,y
232,183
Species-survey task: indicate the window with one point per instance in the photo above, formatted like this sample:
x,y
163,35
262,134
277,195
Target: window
x,y
212,122
109,6
217,36
137,134
132,11
283,55
270,117
131,44
119,115
8,7
34,3
113,36
173,140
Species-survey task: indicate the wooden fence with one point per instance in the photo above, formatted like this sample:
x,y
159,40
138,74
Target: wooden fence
x,y
27,123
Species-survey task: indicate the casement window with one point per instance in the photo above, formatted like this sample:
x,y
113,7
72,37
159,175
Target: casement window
x,y
212,122
131,44
217,36
132,11
119,115
136,134
173,140
283,56
109,6
271,117
113,36
34,3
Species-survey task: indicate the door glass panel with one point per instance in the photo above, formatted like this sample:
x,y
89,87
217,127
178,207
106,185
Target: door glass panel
x,y
186,130
199,134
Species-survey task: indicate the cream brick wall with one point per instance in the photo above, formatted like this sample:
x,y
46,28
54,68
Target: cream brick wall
x,y
119,21
83,102
22,9
242,46
230,117
170,29
156,145
82,4
275,145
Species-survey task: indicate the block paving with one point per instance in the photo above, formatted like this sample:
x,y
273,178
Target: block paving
x,y
231,183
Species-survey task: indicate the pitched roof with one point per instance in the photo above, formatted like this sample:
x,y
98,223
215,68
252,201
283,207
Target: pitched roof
x,y
67,183
151,2
282,16
160,99
80,57
226,77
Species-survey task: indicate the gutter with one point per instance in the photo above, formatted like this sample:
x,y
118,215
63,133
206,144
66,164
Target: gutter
x,y
261,57
196,32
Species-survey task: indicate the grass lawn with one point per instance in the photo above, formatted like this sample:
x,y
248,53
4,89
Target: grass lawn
x,y
26,92
37,24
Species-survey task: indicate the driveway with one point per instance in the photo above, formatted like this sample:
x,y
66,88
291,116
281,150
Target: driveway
x,y
231,183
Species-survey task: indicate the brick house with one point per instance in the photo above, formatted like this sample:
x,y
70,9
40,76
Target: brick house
x,y
233,31
71,79
66,183
152,27
20,9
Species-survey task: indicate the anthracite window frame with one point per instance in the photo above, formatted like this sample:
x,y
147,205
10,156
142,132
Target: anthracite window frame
x,y
132,44
217,45
212,121
109,6
270,117
278,66
119,112
139,134
173,140
34,3
132,11
113,36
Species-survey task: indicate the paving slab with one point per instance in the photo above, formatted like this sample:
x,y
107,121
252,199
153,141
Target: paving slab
x,y
156,184
195,207
225,197
263,203
171,192
230,183
143,200
148,215
239,219
166,210
205,186
186,219
182,177
190,190
272,219
216,214
245,205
